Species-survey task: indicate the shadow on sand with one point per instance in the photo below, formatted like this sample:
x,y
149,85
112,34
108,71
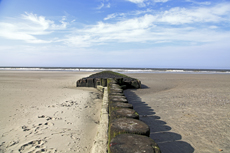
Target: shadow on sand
x,y
168,142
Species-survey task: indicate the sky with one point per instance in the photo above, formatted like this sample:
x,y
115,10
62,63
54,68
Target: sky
x,y
115,33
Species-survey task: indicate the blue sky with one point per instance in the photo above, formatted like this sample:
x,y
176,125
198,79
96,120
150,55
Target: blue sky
x,y
115,33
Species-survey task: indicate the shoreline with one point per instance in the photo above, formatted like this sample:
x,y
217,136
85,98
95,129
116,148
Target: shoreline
x,y
120,70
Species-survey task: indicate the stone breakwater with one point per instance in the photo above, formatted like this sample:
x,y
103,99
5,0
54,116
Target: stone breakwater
x,y
100,79
126,133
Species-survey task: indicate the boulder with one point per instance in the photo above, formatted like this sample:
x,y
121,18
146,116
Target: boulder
x,y
123,112
121,105
118,99
128,125
130,143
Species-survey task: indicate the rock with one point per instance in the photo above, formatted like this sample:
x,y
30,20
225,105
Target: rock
x,y
123,112
104,82
118,99
90,82
115,86
97,82
121,105
130,143
128,125
116,94
101,78
117,90
82,82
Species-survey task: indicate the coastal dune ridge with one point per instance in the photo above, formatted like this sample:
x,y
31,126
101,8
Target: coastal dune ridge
x,y
44,111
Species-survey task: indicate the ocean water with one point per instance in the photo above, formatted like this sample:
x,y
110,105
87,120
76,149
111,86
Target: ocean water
x,y
120,70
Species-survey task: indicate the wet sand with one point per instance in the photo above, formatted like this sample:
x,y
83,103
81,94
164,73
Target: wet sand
x,y
186,112
44,111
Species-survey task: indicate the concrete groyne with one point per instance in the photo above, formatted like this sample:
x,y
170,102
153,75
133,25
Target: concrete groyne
x,y
100,79
125,132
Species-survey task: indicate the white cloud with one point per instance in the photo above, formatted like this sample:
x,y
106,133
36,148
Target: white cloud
x,y
213,27
124,31
11,31
101,6
178,15
143,3
199,3
104,5
128,14
140,3
160,1
136,1
43,22
30,26
143,26
156,27
108,5
110,16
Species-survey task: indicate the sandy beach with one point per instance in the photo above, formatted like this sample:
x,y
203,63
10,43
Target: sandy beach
x,y
186,112
43,111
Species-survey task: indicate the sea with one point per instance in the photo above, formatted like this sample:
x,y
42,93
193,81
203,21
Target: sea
x,y
119,70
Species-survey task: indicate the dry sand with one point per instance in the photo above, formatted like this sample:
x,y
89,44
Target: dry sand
x,y
186,112
44,111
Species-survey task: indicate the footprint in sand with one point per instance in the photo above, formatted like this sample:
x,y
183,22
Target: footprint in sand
x,y
25,128
36,146
5,145
69,103
50,118
37,129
